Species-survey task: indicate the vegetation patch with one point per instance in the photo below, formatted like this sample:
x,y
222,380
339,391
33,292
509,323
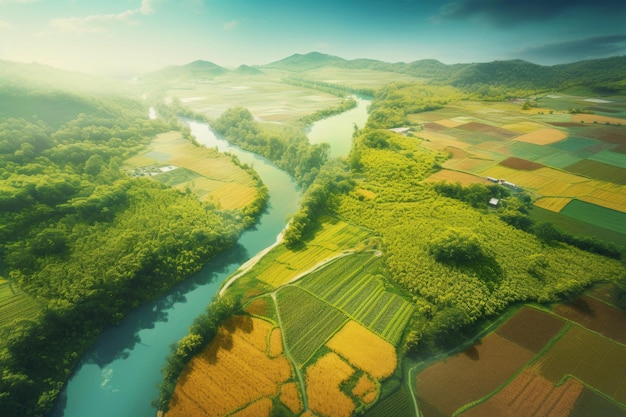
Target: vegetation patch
x,y
542,136
531,329
233,371
596,215
307,322
364,350
530,395
323,386
554,204
596,316
599,170
471,374
15,305
521,164
576,354
456,176
610,158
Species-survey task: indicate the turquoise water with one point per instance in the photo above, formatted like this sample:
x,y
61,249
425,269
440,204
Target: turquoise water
x,y
118,376
337,130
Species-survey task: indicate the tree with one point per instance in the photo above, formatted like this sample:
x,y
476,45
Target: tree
x,y
457,246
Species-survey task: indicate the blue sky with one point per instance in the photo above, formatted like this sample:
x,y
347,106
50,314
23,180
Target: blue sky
x,y
133,36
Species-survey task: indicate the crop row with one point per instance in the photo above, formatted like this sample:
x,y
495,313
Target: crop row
x,y
308,322
350,284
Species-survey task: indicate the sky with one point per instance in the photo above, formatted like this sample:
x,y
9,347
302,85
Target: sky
x,y
130,37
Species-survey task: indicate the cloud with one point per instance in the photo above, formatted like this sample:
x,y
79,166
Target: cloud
x,y
17,1
578,49
100,22
5,25
231,25
512,12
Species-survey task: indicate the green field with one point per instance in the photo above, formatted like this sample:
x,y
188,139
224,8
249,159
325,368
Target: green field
x,y
352,285
598,216
599,171
307,322
611,158
15,305
177,176
577,227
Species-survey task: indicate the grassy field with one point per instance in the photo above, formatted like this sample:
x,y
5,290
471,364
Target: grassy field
x,y
15,305
598,216
211,176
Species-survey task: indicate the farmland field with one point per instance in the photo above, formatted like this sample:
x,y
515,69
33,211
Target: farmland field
x,y
350,284
596,316
599,171
15,305
456,176
308,322
281,265
211,176
576,354
596,215
397,404
323,386
531,328
530,395
469,375
592,403
233,371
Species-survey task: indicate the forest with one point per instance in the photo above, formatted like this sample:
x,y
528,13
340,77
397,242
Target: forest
x,y
66,211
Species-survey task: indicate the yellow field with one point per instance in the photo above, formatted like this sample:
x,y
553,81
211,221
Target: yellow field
x,y
334,237
365,389
591,118
261,408
232,371
323,386
552,204
275,343
438,141
455,176
219,179
290,396
522,127
365,350
542,136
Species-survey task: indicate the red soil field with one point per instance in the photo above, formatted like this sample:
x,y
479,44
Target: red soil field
x,y
530,395
597,316
491,130
521,164
531,328
469,376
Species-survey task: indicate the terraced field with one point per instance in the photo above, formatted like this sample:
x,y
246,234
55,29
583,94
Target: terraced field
x,y
15,305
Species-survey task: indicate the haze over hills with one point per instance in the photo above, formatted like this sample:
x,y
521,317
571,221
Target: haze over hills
x,y
606,74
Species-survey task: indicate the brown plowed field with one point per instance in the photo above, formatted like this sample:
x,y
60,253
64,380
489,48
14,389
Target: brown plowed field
x,y
530,395
531,328
522,164
468,376
597,316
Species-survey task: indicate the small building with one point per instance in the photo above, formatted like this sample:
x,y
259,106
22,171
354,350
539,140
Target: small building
x,y
492,179
401,130
494,202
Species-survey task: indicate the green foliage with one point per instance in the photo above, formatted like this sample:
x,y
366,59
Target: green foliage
x,y
88,242
457,246
293,153
330,88
345,105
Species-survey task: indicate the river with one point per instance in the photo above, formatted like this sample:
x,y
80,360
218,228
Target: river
x,y
118,376
337,130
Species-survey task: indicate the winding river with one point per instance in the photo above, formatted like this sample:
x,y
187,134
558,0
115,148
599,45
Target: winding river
x,y
118,376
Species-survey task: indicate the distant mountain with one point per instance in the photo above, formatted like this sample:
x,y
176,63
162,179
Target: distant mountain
x,y
196,70
247,70
608,74
312,60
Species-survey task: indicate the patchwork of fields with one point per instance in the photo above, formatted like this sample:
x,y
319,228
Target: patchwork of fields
x,y
535,364
572,164
211,176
